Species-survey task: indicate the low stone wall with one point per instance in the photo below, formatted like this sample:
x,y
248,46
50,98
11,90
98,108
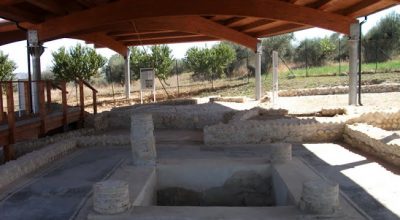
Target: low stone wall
x,y
36,159
181,117
28,163
281,130
257,111
229,99
381,143
104,141
384,120
380,88
29,146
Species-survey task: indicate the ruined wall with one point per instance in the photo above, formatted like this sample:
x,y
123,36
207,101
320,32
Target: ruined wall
x,y
383,144
281,130
384,120
181,117
28,163
55,149
393,87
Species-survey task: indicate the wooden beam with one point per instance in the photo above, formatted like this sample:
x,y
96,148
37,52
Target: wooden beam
x,y
130,33
197,25
281,30
361,7
168,35
102,39
170,41
126,10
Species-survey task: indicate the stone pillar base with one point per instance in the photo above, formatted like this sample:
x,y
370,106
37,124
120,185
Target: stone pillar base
x,y
111,197
319,197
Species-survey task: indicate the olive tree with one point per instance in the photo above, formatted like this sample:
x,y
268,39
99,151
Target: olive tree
x,y
76,63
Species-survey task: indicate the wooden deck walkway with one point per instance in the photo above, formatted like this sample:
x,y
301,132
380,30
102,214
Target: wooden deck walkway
x,y
30,126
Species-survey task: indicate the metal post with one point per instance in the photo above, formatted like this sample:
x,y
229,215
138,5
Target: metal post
x,y
340,54
275,60
306,48
353,62
127,75
258,71
177,76
36,75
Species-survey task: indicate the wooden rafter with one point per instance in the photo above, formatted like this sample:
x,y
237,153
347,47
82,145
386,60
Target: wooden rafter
x,y
155,36
126,10
196,25
169,41
104,40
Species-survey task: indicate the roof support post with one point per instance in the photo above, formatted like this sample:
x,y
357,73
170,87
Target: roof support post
x,y
353,62
36,52
258,71
127,74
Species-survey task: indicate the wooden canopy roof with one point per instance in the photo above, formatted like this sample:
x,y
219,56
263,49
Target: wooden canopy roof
x,y
117,24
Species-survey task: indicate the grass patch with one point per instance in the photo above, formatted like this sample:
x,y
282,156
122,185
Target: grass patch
x,y
335,69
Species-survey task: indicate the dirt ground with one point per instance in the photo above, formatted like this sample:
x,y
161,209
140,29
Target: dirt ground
x,y
370,101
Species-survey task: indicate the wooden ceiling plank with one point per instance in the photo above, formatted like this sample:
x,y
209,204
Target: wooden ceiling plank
x,y
10,2
157,36
130,33
281,30
365,5
170,41
125,10
49,5
197,25
17,14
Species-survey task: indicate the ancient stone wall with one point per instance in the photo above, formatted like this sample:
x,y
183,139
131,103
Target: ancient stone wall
x,y
381,143
29,146
180,117
15,169
395,87
281,130
384,120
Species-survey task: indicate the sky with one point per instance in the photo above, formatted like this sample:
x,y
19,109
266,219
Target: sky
x,y
17,51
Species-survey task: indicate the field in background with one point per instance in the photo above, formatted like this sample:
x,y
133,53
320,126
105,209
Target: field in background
x,y
343,68
112,95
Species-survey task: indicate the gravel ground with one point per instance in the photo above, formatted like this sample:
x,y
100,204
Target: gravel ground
x,y
370,101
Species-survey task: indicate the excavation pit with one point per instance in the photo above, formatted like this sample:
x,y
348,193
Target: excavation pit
x,y
221,185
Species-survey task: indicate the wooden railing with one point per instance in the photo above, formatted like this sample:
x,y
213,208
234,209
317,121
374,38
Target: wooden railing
x,y
44,89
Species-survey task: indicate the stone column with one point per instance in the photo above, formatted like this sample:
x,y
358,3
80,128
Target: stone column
x,y
353,62
258,71
127,74
319,197
111,197
281,152
142,139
